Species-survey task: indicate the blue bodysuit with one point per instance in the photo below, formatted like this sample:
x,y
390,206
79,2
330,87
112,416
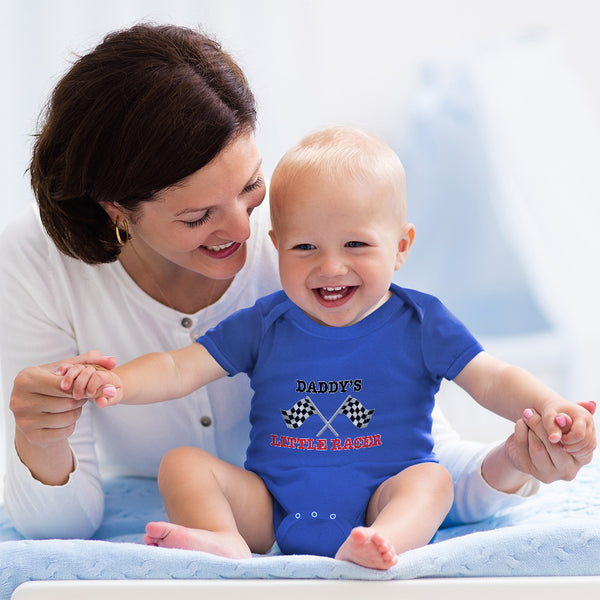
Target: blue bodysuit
x,y
338,410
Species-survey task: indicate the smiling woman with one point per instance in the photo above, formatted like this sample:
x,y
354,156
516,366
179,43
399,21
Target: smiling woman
x,y
146,173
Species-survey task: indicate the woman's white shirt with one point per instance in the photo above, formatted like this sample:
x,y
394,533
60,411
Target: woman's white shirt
x,y
53,307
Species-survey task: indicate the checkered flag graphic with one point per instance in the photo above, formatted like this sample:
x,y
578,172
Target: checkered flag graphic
x,y
356,412
297,414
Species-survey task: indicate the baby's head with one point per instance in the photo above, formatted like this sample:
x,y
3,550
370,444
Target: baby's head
x,y
341,154
338,212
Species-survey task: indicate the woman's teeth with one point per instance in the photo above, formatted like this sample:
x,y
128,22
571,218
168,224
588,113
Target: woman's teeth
x,y
219,247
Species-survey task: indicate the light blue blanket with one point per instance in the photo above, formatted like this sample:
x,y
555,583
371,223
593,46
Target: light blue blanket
x,y
555,533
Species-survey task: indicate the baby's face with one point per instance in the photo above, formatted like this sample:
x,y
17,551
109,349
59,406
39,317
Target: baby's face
x,y
339,243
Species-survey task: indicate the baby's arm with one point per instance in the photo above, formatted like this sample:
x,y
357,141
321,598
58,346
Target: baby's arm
x,y
509,391
150,378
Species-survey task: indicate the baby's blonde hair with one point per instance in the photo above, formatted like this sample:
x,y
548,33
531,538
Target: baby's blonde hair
x,y
340,151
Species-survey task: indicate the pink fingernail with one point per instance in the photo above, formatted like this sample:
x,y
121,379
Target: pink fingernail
x,y
527,413
110,391
561,420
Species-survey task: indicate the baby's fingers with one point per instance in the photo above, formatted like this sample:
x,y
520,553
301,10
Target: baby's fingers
x,y
63,368
97,380
69,373
84,385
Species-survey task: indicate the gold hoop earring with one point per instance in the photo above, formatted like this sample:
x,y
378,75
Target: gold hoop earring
x,y
120,240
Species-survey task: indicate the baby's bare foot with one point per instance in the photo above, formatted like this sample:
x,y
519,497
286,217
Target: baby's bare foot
x,y
169,535
368,548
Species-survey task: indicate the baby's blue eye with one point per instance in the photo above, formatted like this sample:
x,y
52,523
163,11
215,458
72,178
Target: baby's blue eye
x,y
304,247
355,244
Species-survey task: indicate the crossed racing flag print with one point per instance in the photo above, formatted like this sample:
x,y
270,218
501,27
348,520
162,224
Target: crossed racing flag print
x,y
303,409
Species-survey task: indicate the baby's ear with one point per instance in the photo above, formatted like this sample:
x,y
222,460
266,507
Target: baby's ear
x,y
273,238
404,245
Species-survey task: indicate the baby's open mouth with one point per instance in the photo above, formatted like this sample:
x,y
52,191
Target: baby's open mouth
x,y
331,294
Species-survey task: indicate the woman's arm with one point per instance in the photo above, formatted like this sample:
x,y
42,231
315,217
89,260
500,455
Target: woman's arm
x,y
51,487
52,484
474,497
490,477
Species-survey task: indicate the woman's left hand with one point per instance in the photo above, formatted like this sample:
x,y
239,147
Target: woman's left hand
x,y
527,454
533,454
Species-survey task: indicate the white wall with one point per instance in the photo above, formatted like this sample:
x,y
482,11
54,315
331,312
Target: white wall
x,y
311,62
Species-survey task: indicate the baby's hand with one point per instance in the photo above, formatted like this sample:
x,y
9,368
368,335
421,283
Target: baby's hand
x,y
90,381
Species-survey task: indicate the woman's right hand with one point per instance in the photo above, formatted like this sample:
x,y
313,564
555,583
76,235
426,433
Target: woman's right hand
x,y
44,413
45,417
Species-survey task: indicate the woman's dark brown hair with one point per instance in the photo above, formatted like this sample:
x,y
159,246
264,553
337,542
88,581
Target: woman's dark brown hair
x,y
147,107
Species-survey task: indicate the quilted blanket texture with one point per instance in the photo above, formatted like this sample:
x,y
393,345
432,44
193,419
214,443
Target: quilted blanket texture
x,y
556,532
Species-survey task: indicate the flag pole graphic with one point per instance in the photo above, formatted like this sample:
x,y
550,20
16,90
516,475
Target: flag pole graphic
x,y
335,414
327,423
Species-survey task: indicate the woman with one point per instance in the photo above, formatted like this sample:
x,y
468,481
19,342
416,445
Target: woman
x,y
149,184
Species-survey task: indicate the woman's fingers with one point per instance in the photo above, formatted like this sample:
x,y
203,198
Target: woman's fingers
x,y
589,405
43,427
549,462
95,358
45,412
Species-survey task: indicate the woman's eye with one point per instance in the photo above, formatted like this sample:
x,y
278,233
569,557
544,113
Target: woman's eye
x,y
355,244
203,219
254,185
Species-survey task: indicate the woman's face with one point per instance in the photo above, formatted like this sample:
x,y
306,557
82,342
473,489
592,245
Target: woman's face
x,y
202,223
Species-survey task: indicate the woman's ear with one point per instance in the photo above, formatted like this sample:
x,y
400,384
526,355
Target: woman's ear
x,y
405,244
113,210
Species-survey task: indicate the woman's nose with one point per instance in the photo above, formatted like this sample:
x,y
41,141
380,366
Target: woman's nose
x,y
236,223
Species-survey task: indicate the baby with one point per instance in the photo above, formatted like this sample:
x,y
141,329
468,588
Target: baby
x,y
344,366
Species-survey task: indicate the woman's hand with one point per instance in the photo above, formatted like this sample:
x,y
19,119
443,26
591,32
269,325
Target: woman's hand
x,y
527,453
44,412
531,453
45,417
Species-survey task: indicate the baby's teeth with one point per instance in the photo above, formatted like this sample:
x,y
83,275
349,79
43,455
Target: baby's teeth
x,y
332,292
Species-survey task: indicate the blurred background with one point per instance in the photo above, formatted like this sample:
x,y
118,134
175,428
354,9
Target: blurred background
x,y
493,106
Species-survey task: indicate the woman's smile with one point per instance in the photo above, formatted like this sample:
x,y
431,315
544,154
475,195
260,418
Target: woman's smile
x,y
221,250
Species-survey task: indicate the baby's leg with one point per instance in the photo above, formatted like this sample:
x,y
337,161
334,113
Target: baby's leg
x,y
213,506
404,513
